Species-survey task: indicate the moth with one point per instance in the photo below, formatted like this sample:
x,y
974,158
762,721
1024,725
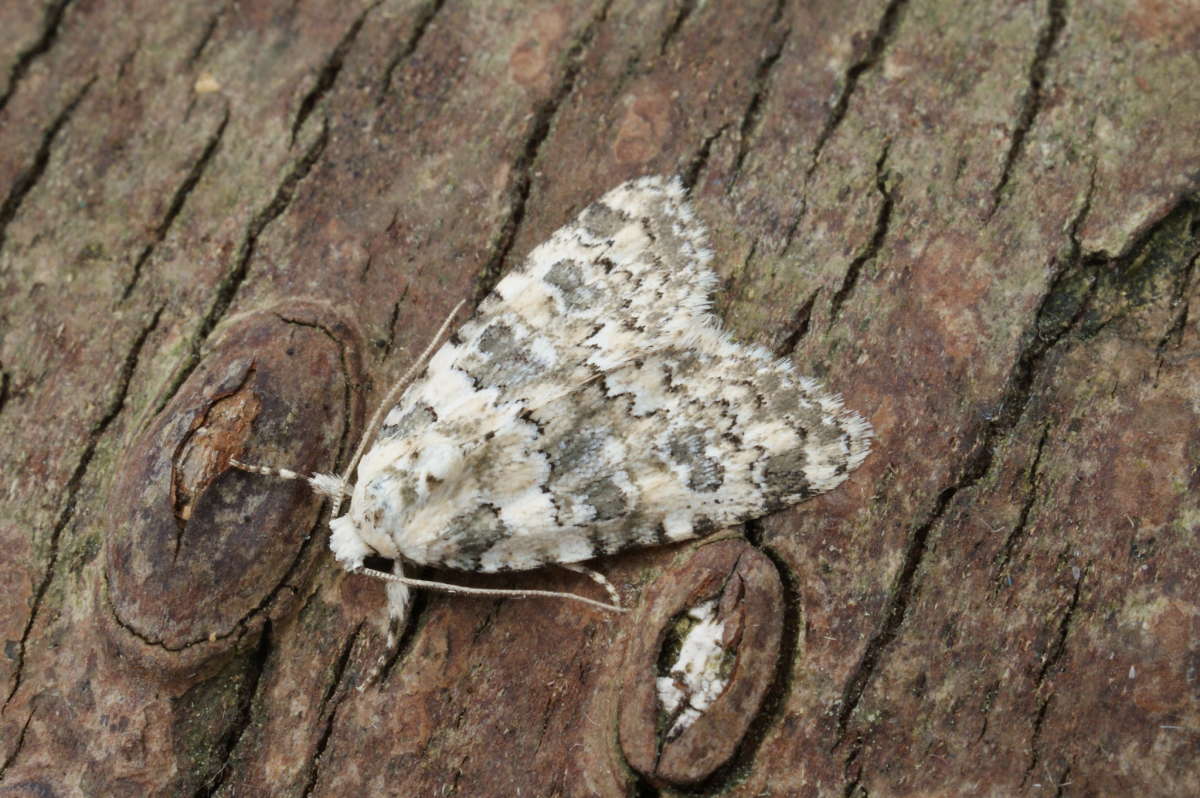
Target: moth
x,y
590,405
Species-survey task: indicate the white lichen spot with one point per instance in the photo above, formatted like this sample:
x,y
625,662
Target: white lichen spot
x,y
206,84
697,677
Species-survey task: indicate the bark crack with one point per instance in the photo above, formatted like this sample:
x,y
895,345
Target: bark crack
x,y
875,48
1174,333
547,713
1018,531
489,618
51,22
126,60
27,179
1052,659
1063,781
700,160
853,769
329,72
74,483
330,712
236,631
801,322
20,743
228,287
350,417
244,716
883,220
177,201
1031,99
686,7
1060,311
5,389
390,341
752,116
755,532
989,698
206,35
421,24
142,636
200,421
1064,628
539,131
732,287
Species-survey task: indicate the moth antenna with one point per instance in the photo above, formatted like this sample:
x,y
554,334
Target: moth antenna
x,y
596,577
389,400
445,587
324,484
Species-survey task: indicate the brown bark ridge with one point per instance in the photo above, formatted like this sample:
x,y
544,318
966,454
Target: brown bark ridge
x,y
228,226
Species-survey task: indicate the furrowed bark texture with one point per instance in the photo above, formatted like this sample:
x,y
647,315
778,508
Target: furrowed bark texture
x,y
225,228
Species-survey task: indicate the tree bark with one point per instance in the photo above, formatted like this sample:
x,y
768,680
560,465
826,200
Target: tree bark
x,y
225,229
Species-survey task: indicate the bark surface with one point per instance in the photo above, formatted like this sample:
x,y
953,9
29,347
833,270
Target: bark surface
x,y
227,227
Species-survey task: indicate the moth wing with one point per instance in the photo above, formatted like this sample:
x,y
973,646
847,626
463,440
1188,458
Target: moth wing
x,y
628,276
682,443
592,404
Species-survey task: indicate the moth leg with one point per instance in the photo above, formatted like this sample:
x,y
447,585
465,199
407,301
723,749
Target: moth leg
x,y
596,577
399,600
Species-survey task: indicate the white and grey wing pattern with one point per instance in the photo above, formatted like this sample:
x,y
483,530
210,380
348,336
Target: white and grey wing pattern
x,y
593,404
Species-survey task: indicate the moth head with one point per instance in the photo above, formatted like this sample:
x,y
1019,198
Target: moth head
x,y
394,481
375,509
347,545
